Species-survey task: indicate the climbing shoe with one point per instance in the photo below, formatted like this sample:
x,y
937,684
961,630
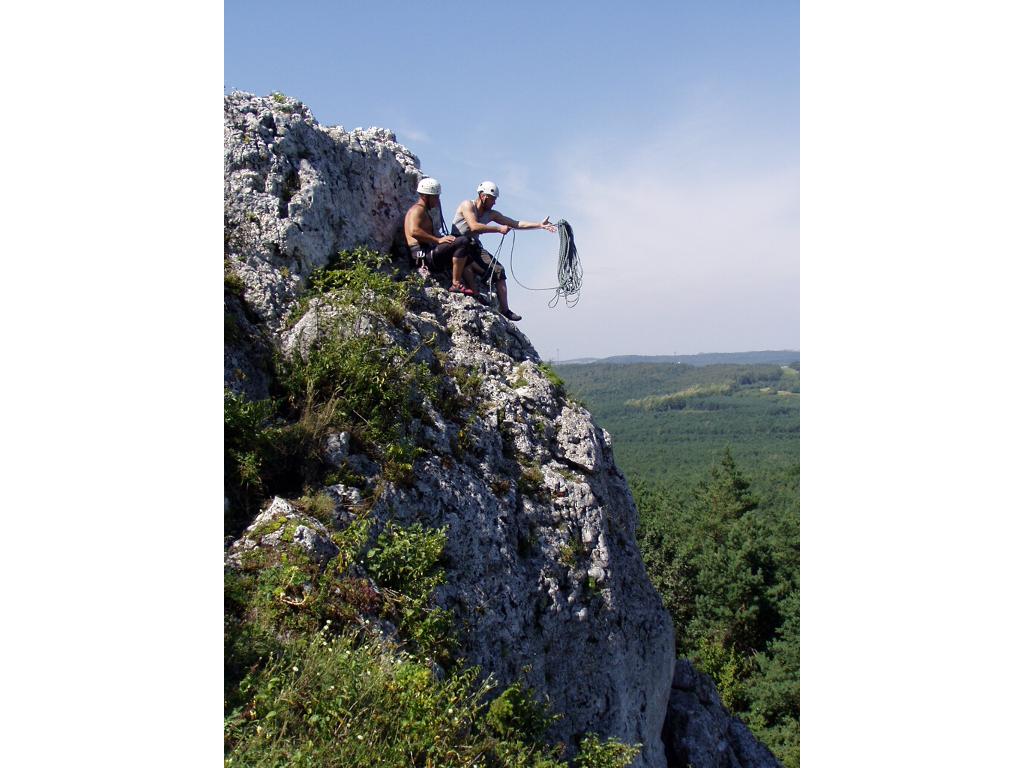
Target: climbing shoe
x,y
511,315
465,291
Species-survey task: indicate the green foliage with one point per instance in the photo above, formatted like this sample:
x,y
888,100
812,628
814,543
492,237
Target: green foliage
x,y
232,282
728,576
516,714
531,482
408,559
774,691
680,399
671,449
320,506
266,455
570,553
370,389
304,688
363,384
344,701
361,277
248,446
555,380
721,546
283,590
357,278
727,667
469,382
612,753
340,701
465,392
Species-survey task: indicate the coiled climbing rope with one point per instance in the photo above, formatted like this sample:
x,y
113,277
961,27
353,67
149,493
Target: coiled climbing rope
x,y
570,271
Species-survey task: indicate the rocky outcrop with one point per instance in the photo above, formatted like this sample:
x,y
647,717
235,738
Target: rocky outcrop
x,y
700,733
279,527
544,576
296,193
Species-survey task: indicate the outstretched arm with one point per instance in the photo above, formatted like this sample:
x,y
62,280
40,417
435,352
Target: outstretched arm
x,y
546,224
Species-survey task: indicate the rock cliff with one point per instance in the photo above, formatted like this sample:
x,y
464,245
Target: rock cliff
x,y
544,576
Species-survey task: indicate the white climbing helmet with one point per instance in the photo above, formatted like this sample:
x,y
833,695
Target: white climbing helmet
x,y
488,188
428,186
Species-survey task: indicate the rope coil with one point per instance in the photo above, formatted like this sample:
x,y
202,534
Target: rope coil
x,y
570,271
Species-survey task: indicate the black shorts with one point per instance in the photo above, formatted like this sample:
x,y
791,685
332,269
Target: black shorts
x,y
481,262
438,257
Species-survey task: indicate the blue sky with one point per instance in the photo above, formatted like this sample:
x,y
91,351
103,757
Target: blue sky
x,y
667,134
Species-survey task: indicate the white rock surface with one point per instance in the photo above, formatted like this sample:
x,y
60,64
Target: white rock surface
x,y
296,193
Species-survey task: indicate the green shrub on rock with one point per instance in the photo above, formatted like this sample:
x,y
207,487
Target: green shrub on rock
x,y
340,701
595,753
406,562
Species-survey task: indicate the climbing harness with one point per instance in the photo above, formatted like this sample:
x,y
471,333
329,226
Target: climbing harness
x,y
570,272
421,261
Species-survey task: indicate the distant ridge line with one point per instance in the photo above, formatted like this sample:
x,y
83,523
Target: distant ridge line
x,y
779,356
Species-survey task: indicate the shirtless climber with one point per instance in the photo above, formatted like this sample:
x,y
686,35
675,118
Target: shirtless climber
x,y
431,251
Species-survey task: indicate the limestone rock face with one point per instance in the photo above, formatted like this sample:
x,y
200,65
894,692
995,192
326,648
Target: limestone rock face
x,y
544,576
296,193
700,732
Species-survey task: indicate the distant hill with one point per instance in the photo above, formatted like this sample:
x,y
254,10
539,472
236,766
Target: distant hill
x,y
781,357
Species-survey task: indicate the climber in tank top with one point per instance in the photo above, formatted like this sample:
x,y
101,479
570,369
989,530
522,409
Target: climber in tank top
x,y
474,218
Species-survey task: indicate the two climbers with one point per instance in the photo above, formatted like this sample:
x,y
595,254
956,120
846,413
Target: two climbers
x,y
468,258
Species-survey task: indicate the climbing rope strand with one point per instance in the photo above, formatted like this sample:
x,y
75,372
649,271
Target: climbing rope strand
x,y
570,272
